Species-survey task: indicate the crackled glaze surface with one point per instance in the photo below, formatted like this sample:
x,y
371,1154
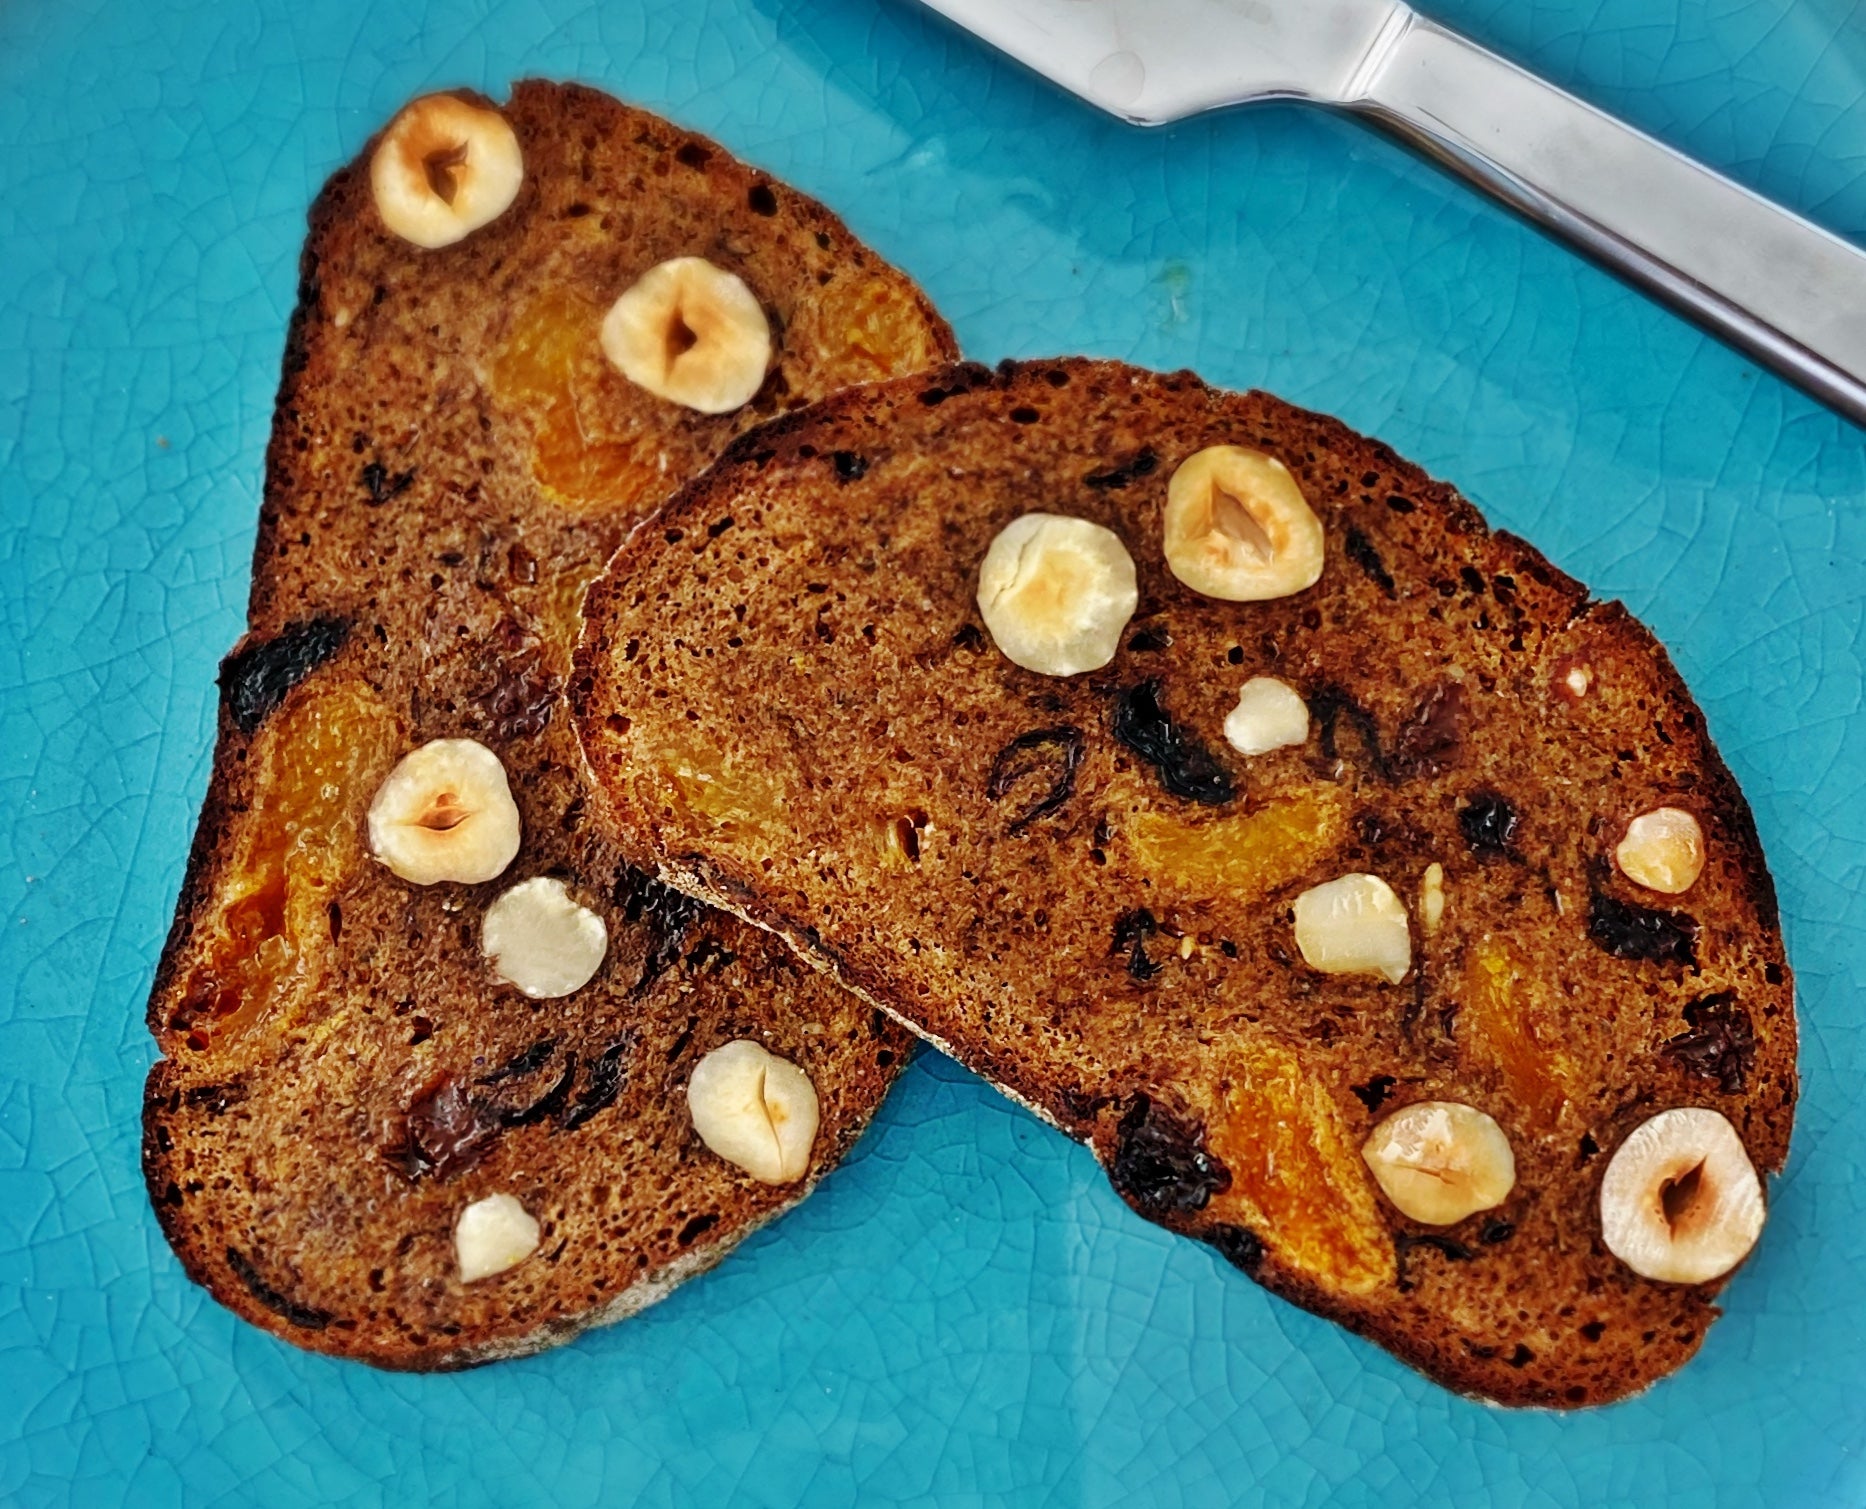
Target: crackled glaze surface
x,y
965,1312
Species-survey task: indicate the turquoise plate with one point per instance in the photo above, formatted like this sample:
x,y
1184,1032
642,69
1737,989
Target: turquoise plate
x,y
965,1313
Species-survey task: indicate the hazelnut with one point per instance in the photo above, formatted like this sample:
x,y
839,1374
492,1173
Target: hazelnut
x,y
691,333
445,813
443,169
1432,897
755,1110
542,941
1440,1161
492,1235
1354,925
1056,593
1238,527
1270,715
1663,851
1680,1201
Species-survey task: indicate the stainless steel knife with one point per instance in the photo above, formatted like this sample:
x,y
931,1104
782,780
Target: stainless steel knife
x,y
1789,293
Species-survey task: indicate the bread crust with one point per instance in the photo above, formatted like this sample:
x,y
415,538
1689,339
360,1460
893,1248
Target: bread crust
x,y
1128,1004
308,1145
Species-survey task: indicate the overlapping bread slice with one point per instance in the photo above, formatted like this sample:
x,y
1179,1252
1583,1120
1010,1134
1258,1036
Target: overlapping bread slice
x,y
1075,885
453,458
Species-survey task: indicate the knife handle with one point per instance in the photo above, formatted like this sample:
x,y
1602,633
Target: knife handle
x,y
1782,289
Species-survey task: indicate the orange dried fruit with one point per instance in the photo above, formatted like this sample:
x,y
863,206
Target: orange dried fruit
x,y
1297,1179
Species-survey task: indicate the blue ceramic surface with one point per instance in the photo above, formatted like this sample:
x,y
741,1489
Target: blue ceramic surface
x,y
965,1313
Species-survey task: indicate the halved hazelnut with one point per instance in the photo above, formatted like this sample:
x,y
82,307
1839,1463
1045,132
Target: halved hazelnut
x,y
1238,527
443,169
1354,925
1440,1161
541,940
691,333
1270,715
492,1235
1680,1201
1056,592
755,1110
445,812
1663,851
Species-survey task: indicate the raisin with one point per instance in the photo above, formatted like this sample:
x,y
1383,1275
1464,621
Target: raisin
x,y
547,1105
762,200
1238,1246
1160,1164
667,914
1488,823
214,1099
520,689
1374,1093
1044,762
1116,477
1405,1242
255,681
849,466
530,1061
1428,740
1330,704
1721,1044
381,484
1131,932
605,1081
1186,767
1362,552
1635,932
294,1312
445,1131
697,1227
1153,637
1495,1232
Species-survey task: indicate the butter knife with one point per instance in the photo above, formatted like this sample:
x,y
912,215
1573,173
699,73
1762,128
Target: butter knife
x,y
1787,292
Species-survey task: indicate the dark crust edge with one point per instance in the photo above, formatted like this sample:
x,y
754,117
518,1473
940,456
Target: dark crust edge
x,y
325,219
694,874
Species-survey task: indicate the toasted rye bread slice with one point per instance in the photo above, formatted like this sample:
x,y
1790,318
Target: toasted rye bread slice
x,y
451,461
996,857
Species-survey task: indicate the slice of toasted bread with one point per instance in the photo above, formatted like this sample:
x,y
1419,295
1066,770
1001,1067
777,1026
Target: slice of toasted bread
x,y
1077,887
451,461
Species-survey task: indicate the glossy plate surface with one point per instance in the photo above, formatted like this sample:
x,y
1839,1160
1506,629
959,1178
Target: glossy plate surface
x,y
965,1313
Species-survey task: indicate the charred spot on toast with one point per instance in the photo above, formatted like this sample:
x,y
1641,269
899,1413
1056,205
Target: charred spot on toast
x,y
293,1312
256,679
1645,934
1721,1042
1042,764
1187,769
1160,1163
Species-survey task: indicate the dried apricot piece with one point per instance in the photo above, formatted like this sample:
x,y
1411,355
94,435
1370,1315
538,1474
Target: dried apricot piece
x,y
1506,1022
1297,1179
315,764
1242,857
